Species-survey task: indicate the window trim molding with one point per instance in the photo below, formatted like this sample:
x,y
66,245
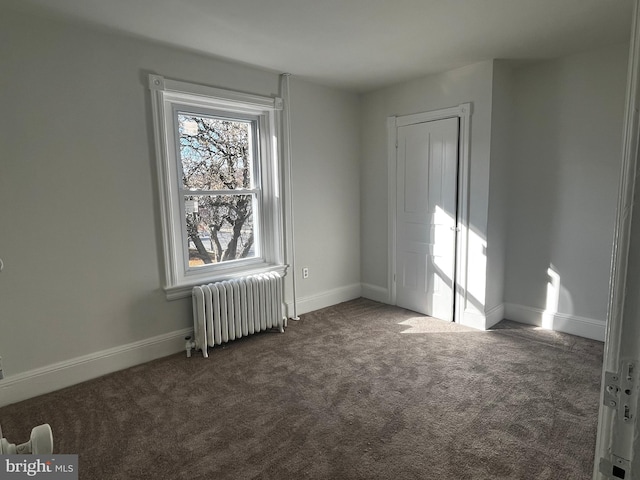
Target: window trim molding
x,y
184,290
179,281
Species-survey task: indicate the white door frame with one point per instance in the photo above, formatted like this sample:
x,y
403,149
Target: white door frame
x,y
616,437
463,113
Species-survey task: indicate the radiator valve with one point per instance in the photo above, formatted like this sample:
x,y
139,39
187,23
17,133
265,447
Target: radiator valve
x,y
189,345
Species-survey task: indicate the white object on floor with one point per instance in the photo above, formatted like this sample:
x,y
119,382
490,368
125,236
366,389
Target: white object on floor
x,y
40,443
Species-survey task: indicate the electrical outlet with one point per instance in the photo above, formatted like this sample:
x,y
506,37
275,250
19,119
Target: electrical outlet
x,y
305,272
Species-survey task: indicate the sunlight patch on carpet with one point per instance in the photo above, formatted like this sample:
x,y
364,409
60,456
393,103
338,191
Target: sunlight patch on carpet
x,y
426,324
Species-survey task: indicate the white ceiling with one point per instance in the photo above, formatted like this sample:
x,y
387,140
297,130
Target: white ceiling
x,y
359,44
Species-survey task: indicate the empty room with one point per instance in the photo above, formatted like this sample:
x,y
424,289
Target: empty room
x,y
292,239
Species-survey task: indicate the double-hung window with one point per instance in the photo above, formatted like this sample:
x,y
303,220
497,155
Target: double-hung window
x,y
218,175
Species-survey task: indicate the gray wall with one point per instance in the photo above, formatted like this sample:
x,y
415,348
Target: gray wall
x,y
563,184
501,156
78,196
326,183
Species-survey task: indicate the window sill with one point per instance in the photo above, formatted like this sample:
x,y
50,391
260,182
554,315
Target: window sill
x,y
184,290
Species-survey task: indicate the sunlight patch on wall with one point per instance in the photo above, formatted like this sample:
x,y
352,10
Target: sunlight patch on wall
x,y
553,298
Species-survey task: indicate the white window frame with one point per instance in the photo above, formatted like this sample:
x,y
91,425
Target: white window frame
x,y
172,96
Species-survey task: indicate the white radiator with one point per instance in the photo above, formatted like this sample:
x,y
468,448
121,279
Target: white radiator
x,y
224,311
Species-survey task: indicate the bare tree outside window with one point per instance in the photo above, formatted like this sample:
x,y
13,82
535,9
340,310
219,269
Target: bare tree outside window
x,y
216,155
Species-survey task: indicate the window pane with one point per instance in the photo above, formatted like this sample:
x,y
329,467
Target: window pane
x,y
216,154
219,228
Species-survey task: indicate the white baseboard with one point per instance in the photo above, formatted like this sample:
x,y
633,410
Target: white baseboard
x,y
59,375
523,314
326,298
481,321
374,292
473,320
561,322
494,316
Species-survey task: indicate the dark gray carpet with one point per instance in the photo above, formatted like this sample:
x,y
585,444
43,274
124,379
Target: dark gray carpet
x,y
360,390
